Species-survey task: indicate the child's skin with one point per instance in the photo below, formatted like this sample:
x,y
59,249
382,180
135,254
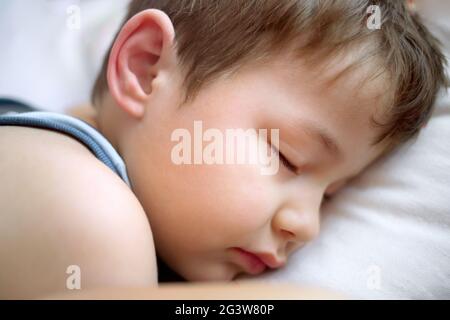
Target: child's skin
x,y
65,207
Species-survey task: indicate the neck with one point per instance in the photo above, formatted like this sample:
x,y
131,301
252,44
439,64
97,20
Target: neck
x,y
86,113
101,121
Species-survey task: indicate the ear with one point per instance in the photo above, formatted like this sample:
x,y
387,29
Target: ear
x,y
142,50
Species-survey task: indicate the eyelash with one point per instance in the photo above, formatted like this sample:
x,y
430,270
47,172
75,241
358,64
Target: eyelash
x,y
284,160
287,163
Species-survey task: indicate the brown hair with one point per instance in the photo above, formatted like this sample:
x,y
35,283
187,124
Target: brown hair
x,y
216,37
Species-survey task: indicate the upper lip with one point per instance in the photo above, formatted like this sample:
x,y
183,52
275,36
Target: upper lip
x,y
269,259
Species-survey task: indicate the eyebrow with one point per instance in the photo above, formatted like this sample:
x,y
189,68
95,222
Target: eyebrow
x,y
323,135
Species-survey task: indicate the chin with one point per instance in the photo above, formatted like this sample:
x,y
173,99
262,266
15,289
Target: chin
x,y
222,273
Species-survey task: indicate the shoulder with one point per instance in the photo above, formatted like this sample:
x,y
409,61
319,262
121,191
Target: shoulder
x,y
74,213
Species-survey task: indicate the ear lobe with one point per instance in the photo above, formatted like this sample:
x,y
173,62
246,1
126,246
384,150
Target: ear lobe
x,y
140,52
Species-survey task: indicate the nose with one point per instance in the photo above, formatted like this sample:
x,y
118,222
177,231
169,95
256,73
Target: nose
x,y
297,225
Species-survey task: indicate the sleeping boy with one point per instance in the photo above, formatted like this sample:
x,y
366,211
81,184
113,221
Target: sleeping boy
x,y
99,189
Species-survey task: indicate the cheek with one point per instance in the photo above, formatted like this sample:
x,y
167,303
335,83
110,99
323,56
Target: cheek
x,y
221,195
213,205
193,205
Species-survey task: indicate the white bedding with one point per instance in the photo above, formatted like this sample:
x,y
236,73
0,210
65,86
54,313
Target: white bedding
x,y
386,236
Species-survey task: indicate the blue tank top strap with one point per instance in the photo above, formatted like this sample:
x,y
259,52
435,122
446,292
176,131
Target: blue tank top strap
x,y
75,128
11,105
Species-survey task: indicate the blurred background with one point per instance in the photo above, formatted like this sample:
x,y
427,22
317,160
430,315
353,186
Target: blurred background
x,y
51,50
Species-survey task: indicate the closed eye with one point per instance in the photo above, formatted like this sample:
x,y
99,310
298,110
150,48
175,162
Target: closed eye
x,y
287,163
284,160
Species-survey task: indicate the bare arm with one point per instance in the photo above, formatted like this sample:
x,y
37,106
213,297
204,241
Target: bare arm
x,y
75,222
202,291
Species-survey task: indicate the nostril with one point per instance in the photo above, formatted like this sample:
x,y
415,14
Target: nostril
x,y
288,234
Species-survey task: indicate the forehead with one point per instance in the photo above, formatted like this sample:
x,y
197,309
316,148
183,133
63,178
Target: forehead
x,y
348,82
351,78
341,94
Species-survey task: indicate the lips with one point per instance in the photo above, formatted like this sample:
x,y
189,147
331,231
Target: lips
x,y
270,260
250,262
255,263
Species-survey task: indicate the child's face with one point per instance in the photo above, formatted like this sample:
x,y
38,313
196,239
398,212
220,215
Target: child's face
x,y
198,213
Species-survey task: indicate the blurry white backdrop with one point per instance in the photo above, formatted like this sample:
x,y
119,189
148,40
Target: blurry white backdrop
x,y
51,50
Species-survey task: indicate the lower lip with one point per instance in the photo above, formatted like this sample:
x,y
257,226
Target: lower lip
x,y
251,263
